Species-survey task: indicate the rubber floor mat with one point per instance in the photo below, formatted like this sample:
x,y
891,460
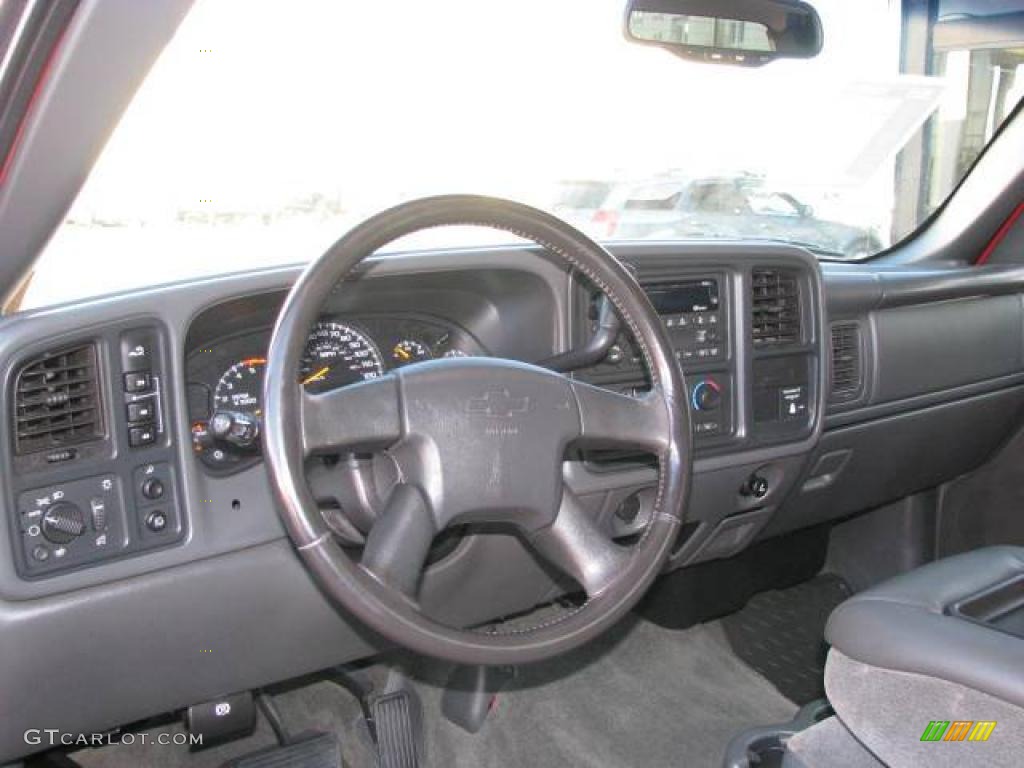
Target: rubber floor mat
x,y
781,635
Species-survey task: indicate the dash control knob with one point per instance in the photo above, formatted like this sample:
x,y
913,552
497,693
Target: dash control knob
x,y
707,395
152,488
62,523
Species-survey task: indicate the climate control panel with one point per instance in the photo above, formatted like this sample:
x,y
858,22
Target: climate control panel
x,y
711,404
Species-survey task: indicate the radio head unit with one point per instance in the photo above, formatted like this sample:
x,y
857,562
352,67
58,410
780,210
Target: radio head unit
x,y
684,298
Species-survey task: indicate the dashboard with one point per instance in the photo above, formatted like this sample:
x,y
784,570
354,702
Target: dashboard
x,y
224,377
816,392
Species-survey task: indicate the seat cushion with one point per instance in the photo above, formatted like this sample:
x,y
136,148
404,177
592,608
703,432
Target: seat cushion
x,y
908,624
890,712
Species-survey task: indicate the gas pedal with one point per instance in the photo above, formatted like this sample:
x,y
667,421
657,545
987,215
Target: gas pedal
x,y
397,717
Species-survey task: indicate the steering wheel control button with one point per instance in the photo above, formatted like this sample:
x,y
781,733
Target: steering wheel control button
x,y
137,381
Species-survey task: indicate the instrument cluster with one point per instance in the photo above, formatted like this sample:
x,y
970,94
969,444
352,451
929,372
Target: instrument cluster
x,y
225,378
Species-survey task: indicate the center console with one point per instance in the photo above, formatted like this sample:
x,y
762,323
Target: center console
x,y
952,632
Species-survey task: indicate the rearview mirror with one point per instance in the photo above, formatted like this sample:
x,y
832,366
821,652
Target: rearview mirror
x,y
743,32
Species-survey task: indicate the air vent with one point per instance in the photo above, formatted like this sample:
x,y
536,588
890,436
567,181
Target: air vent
x,y
57,401
776,307
846,364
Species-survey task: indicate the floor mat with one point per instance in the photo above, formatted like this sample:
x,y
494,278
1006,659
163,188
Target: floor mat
x,y
781,635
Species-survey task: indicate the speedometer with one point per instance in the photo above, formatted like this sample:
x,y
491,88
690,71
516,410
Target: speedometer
x,y
336,355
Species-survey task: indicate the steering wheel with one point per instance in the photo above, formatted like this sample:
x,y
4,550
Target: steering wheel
x,y
475,440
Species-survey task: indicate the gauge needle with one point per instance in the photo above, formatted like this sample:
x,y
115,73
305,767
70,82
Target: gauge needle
x,y
402,353
318,376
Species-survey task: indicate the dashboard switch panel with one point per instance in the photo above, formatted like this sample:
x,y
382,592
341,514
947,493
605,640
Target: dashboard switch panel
x,y
73,523
77,506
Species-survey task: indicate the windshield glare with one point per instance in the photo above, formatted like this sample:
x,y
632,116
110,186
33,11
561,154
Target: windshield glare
x,y
266,130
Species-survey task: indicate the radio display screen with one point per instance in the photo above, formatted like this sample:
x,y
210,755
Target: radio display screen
x,y
677,298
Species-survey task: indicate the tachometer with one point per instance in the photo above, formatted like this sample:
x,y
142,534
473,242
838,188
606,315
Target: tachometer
x,y
336,355
240,387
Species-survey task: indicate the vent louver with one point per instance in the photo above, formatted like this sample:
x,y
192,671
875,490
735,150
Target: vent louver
x,y
776,307
846,362
57,400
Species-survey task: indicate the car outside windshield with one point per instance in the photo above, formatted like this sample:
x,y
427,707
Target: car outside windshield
x,y
266,130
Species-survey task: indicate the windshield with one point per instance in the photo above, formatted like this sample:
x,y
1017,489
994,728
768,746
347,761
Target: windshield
x,y
266,130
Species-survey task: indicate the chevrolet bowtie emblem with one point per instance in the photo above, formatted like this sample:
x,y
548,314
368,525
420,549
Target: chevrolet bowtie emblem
x,y
498,403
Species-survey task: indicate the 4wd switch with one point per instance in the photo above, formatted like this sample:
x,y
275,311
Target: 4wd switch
x,y
140,412
137,382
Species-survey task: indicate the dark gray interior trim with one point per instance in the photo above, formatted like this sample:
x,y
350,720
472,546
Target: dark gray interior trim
x,y
904,624
861,289
215,527
165,640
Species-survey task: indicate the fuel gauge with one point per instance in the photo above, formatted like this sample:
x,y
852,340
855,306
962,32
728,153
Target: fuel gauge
x,y
409,351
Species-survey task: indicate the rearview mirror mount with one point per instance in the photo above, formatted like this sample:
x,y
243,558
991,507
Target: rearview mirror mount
x,y
747,33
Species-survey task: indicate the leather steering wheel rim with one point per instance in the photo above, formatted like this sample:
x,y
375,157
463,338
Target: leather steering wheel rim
x,y
297,425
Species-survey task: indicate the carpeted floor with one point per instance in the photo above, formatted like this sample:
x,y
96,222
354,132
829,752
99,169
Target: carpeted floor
x,y
640,696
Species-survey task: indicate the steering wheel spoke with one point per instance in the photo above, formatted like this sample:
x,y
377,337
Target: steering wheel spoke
x,y
399,542
612,420
365,415
575,545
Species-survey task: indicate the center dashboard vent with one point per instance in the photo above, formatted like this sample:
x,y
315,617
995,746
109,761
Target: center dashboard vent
x,y
57,400
775,302
847,372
